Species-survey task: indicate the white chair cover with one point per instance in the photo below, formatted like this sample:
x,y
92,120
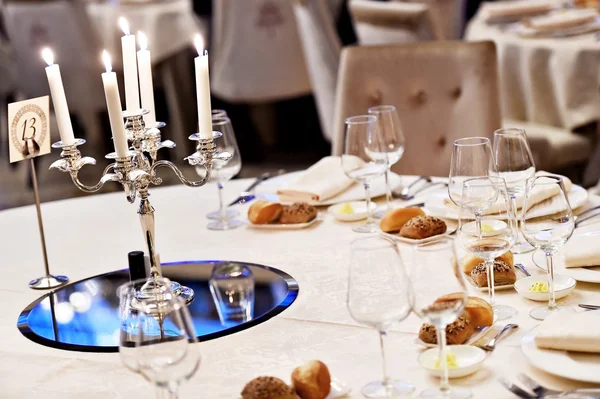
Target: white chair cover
x,y
256,54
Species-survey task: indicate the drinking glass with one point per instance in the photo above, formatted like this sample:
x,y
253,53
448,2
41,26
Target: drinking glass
x,y
471,157
394,144
232,288
514,162
156,337
379,296
224,170
487,228
434,273
363,137
547,232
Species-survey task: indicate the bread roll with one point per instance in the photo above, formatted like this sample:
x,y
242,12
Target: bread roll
x,y
477,310
504,274
421,227
268,388
264,212
300,212
457,333
469,262
312,380
393,221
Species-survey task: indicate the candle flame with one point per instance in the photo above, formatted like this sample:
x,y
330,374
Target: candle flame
x,y
107,61
48,56
199,43
143,40
124,25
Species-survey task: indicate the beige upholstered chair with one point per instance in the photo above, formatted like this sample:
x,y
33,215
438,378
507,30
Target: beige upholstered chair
x,y
448,16
322,48
442,90
392,22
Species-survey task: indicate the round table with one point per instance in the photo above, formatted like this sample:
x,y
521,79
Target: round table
x,y
551,81
92,235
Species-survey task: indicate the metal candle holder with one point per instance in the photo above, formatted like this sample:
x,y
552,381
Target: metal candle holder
x,y
137,171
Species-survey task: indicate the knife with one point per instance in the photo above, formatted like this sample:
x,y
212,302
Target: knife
x,y
246,195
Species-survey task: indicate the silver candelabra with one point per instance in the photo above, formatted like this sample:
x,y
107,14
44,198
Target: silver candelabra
x,y
137,171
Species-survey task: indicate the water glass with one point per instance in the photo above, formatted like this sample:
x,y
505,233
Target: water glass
x,y
232,289
547,232
364,159
394,144
379,295
514,162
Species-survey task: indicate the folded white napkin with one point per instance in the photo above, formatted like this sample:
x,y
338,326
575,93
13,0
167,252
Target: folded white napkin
x,y
323,180
517,8
562,19
582,249
578,332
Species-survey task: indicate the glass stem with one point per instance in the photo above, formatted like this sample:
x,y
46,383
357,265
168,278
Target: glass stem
x,y
441,339
386,378
222,211
478,224
489,269
552,296
515,214
368,199
170,392
388,187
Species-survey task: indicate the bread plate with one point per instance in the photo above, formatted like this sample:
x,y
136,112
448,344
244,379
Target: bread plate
x,y
399,238
518,273
563,286
288,226
469,360
479,333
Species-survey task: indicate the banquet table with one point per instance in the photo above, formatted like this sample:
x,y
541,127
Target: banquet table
x,y
551,81
92,235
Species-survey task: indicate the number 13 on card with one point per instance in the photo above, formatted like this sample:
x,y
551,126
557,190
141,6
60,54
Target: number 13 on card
x,y
29,128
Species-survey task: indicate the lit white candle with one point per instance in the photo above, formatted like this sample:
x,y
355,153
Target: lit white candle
x,y
132,93
59,99
145,73
203,90
113,104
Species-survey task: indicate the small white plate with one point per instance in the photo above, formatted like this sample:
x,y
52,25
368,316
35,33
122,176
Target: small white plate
x,y
359,208
589,274
338,389
468,358
279,226
563,286
477,335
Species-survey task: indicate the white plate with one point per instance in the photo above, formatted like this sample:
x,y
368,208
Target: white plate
x,y
585,274
526,31
279,226
479,333
338,389
563,286
435,206
359,207
469,359
518,273
398,237
572,365
356,192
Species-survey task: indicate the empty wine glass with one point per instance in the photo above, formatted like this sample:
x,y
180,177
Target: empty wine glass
x,y
363,137
471,157
438,258
224,170
547,232
379,296
491,234
393,143
514,162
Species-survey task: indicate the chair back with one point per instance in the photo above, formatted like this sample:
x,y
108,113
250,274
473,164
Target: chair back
x,y
391,23
65,28
448,16
322,48
442,90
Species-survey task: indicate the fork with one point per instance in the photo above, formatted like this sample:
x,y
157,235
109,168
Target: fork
x,y
517,390
405,195
490,346
542,391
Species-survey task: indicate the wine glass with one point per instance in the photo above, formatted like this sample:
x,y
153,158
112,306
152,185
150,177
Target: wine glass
x,y
547,232
363,137
493,231
514,162
224,170
157,334
379,296
438,258
393,142
471,157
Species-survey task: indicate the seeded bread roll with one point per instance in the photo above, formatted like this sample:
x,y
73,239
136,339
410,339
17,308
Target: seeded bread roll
x,y
312,380
457,333
299,212
504,274
393,221
268,388
469,262
477,310
264,212
421,227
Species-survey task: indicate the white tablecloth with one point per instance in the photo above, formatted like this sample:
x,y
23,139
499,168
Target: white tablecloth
x,y
545,80
92,235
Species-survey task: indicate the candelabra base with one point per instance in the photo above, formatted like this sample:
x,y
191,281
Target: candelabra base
x,y
49,281
185,293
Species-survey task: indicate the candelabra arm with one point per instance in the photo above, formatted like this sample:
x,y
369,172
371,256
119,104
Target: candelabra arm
x,y
182,178
92,189
146,213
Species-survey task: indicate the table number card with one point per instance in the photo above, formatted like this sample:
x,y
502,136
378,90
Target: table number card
x,y
29,128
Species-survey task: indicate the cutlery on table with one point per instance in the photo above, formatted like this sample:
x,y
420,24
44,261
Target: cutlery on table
x,y
542,391
578,219
589,307
517,390
522,268
405,194
247,195
490,346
